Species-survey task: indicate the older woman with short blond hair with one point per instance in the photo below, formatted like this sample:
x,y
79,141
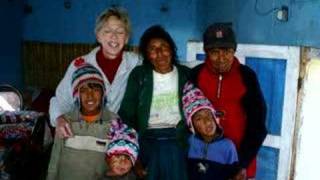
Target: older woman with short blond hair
x,y
112,32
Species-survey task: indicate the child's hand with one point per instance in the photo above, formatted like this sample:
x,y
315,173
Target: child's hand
x,y
241,175
139,170
63,129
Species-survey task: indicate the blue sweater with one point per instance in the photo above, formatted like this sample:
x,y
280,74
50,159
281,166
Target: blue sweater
x,y
216,160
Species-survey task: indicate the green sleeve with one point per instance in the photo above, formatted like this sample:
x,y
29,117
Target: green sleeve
x,y
129,106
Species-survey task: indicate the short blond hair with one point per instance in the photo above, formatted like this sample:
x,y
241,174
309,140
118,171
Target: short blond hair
x,y
120,13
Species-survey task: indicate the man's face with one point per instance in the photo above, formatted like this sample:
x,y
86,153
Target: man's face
x,y
204,124
91,98
220,59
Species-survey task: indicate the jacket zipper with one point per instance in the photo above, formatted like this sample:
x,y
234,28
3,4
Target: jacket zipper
x,y
219,86
205,151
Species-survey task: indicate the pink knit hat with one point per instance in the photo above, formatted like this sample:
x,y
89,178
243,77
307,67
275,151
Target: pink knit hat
x,y
123,140
194,100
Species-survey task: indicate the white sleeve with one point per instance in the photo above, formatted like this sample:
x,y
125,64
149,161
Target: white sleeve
x,y
62,102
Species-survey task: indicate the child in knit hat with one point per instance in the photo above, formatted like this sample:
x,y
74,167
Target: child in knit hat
x,y
82,156
122,150
210,155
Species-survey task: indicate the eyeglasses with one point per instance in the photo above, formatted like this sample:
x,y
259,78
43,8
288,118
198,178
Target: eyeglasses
x,y
117,32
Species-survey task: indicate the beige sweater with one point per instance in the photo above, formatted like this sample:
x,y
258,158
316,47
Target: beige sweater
x,y
79,164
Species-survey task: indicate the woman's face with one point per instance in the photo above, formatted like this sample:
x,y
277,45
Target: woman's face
x,y
160,55
112,37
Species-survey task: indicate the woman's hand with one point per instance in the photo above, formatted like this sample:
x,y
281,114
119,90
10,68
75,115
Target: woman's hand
x,y
63,129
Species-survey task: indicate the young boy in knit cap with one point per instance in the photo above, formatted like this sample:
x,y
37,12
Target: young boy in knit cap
x,y
210,155
122,151
81,157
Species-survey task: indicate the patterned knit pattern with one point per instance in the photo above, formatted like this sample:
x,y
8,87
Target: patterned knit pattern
x,y
123,140
85,73
194,100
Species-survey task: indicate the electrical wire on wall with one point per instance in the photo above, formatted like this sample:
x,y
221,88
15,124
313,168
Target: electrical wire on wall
x,y
281,12
263,13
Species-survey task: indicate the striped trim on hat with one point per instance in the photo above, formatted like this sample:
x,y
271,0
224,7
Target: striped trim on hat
x,y
124,140
86,73
123,146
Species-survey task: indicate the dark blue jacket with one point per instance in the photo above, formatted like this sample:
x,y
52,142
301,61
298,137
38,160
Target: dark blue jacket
x,y
216,160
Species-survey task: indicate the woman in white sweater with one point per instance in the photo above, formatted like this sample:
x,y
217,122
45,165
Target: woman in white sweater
x,y
112,32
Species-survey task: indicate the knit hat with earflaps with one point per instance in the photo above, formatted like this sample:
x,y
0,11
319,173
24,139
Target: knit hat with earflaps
x,y
123,140
86,73
194,100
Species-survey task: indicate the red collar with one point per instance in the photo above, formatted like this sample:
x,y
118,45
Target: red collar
x,y
109,66
101,57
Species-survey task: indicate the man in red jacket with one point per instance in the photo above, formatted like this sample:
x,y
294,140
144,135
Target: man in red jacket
x,y
234,90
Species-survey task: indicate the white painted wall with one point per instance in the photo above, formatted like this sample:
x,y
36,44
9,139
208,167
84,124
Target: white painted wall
x,y
308,146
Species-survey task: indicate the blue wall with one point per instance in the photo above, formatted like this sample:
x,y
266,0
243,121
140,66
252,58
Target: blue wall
x,y
51,22
11,13
184,19
301,29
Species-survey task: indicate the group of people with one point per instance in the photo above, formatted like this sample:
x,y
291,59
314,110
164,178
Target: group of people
x,y
119,115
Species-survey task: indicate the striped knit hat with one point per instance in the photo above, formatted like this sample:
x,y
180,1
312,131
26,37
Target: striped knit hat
x,y
194,100
85,73
123,140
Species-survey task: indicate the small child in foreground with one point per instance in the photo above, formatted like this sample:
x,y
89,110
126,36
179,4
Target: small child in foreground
x,y
210,155
122,151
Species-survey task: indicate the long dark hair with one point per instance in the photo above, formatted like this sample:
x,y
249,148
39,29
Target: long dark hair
x,y
156,32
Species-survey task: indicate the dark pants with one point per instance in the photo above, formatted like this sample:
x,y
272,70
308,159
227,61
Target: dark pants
x,y
162,156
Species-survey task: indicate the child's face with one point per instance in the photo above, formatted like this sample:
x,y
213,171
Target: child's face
x,y
120,164
204,124
91,98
